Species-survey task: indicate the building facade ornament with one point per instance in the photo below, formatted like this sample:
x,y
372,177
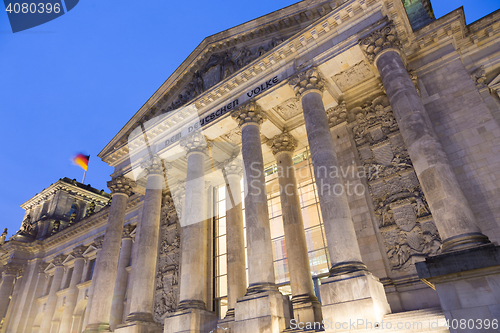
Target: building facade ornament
x,y
380,40
307,80
479,77
98,241
58,260
127,230
337,114
78,251
153,166
14,269
121,184
249,113
283,142
195,142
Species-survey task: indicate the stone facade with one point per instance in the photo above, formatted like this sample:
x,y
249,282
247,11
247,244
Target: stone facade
x,y
373,115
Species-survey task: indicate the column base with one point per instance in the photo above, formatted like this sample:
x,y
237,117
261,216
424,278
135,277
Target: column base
x,y
227,324
138,327
94,328
190,321
140,316
267,311
356,296
467,283
306,309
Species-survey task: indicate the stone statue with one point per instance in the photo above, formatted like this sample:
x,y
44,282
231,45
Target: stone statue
x,y
55,227
3,236
72,218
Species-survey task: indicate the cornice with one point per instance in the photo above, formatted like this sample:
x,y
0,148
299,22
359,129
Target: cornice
x,y
337,20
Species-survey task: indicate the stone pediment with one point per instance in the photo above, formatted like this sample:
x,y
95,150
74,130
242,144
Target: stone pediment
x,y
220,55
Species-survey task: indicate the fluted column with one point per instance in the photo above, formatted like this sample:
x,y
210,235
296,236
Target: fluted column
x,y
121,278
108,259
72,296
235,241
7,284
193,226
50,308
449,207
305,304
144,267
339,227
259,247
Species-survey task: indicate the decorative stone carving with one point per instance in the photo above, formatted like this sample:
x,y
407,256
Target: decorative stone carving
x,y
55,227
379,40
42,267
218,67
306,80
153,166
78,251
232,167
72,218
401,209
3,236
26,227
289,109
233,136
337,114
249,113
353,75
479,77
195,142
13,269
121,184
98,241
127,230
167,292
414,79
283,142
58,260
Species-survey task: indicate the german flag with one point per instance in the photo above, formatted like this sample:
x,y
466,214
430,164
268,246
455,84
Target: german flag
x,y
82,161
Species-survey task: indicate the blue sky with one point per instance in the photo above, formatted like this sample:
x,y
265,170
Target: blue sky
x,y
70,85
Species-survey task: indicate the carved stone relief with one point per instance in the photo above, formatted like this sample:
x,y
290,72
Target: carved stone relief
x,y
289,109
167,291
353,75
220,66
402,211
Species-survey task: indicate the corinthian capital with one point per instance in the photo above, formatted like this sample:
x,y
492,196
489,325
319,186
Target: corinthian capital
x,y
121,184
195,142
78,251
13,269
98,241
307,80
249,113
58,260
153,166
380,40
283,142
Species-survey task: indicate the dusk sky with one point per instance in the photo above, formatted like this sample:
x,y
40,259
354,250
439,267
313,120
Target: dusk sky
x,y
70,85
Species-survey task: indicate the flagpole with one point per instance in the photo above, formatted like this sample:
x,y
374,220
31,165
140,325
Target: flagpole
x,y
84,173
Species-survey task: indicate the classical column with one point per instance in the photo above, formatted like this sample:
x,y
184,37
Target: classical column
x,y
449,207
121,278
108,260
259,247
72,296
351,293
144,268
98,241
339,227
7,284
235,241
193,226
306,306
50,307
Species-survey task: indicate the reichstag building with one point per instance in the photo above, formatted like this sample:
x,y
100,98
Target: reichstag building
x,y
331,166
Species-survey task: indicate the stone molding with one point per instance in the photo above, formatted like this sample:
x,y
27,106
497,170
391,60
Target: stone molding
x,y
78,251
122,185
307,80
58,260
380,40
98,241
249,113
283,142
195,142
